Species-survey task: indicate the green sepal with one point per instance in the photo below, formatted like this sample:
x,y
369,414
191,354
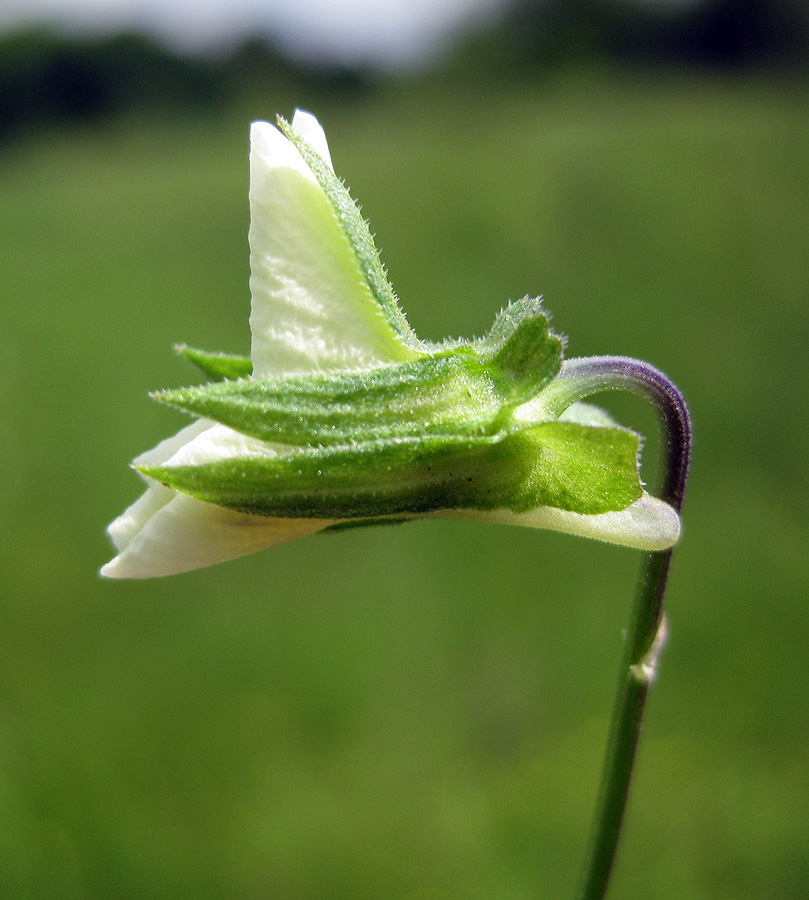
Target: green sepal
x,y
453,392
508,320
217,366
359,235
464,390
523,350
577,468
559,464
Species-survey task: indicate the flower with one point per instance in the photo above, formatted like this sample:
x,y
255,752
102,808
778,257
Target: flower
x,y
342,416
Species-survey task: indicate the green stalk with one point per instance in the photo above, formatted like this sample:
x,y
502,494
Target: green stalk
x,y
647,629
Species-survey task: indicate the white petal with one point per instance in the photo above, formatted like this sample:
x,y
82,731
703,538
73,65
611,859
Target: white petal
x,y
168,447
218,442
312,309
130,522
133,519
648,524
165,532
186,534
201,442
312,132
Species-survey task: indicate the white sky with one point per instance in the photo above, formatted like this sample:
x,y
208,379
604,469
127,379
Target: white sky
x,y
387,32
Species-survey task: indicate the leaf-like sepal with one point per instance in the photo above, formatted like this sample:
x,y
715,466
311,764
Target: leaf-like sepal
x,y
576,468
469,389
560,464
523,351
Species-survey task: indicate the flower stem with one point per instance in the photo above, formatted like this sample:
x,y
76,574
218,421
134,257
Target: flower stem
x,y
647,629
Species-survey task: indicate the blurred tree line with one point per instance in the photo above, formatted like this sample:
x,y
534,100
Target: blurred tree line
x,y
708,34
47,77
50,78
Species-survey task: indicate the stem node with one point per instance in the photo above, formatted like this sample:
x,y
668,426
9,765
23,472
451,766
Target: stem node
x,y
646,669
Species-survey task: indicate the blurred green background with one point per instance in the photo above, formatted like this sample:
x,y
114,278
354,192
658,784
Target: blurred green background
x,y
413,713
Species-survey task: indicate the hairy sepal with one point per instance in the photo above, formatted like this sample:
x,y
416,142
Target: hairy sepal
x,y
559,464
466,390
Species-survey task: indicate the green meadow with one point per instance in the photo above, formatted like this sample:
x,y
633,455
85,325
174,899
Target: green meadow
x,y
419,712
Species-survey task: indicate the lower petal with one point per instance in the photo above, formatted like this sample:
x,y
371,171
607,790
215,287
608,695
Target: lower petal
x,y
185,534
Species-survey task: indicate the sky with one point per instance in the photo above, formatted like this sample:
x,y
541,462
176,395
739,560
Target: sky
x,y
385,33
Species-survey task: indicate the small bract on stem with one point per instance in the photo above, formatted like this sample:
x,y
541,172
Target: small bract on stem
x,y
342,417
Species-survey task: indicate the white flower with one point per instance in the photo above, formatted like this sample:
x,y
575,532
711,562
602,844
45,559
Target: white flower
x,y
320,304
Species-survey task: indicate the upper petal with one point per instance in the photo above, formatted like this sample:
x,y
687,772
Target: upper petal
x,y
312,308
312,132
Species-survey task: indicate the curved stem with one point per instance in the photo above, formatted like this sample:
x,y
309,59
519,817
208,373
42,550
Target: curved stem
x,y
581,378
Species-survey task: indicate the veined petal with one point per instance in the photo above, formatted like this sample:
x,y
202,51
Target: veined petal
x,y
186,534
312,308
648,524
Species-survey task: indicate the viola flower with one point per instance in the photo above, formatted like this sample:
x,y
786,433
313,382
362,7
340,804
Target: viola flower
x,y
342,416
